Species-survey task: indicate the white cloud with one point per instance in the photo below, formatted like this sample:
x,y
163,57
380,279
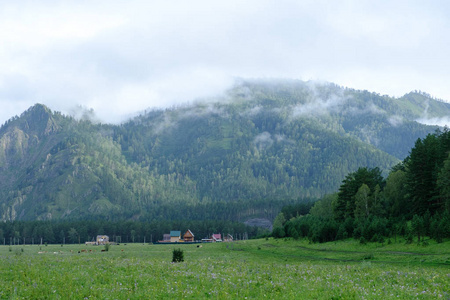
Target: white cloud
x,y
317,106
388,23
120,57
444,121
395,120
263,140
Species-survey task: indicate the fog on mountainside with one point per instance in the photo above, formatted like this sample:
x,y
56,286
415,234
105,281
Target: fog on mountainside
x,y
261,145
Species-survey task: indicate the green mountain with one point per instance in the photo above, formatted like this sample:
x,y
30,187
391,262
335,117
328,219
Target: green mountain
x,y
259,146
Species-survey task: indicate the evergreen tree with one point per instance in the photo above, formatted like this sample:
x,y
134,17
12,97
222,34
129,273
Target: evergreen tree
x,y
394,194
423,168
443,184
345,203
418,226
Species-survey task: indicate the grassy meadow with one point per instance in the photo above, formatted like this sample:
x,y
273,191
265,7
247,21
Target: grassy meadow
x,y
253,269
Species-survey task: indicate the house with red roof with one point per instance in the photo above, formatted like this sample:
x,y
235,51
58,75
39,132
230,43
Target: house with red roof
x,y
216,237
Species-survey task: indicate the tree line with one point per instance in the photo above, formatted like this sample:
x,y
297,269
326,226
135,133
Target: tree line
x,y
412,202
74,232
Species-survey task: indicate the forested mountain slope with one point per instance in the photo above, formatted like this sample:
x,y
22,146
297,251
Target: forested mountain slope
x,y
245,154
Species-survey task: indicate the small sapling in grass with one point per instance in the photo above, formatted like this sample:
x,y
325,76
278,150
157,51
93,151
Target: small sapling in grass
x,y
178,255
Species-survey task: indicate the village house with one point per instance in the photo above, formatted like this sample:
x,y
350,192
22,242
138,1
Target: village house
x,y
216,237
102,239
175,236
228,238
188,236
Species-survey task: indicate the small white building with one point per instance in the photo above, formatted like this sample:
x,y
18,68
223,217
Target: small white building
x,y
102,239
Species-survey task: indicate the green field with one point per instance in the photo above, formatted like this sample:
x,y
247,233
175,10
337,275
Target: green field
x,y
254,269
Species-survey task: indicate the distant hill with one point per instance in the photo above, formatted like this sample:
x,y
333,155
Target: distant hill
x,y
259,146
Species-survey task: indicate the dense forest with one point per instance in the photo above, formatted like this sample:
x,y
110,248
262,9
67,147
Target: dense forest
x,y
244,155
413,201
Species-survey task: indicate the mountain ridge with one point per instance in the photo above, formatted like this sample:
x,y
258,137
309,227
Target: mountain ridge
x,y
261,146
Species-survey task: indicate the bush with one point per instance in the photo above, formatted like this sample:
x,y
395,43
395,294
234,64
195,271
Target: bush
x,y
345,235
368,256
107,246
278,232
409,238
178,255
357,233
374,238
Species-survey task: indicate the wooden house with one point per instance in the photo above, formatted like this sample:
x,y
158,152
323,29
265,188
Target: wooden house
x,y
228,238
175,236
188,236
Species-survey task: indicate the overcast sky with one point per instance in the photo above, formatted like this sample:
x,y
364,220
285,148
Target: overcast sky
x,y
120,57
